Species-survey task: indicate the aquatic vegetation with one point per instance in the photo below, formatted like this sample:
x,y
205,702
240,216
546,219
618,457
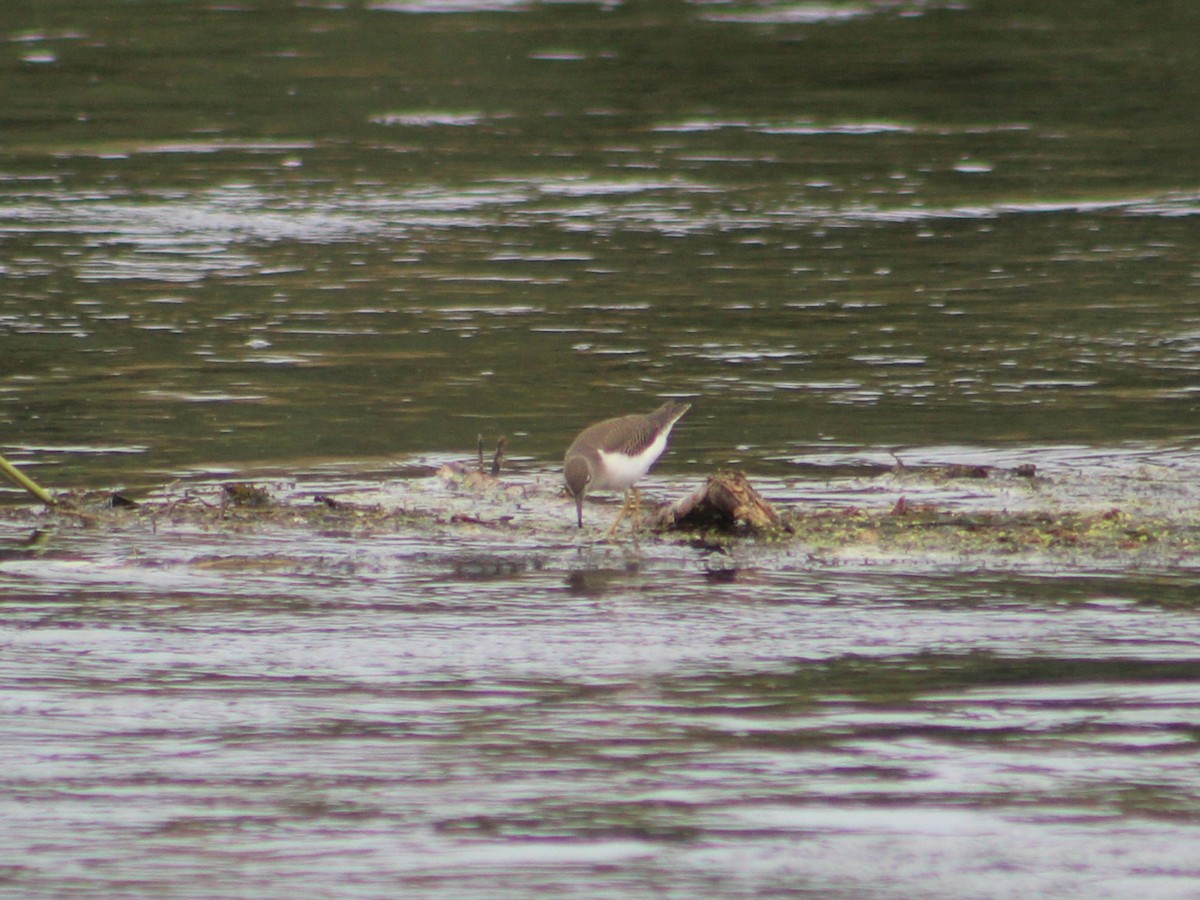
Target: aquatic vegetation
x,y
725,511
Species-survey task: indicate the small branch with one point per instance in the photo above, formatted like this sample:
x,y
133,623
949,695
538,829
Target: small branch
x,y
500,445
21,480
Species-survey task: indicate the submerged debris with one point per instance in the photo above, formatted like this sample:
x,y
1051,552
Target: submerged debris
x,y
240,494
907,528
460,474
481,567
31,545
949,471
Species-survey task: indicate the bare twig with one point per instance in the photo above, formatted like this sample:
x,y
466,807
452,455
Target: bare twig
x,y
21,480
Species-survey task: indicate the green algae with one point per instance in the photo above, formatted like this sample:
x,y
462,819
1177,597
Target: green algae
x,y
927,530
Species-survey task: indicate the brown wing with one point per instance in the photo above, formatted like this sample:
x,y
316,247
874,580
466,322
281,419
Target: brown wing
x,y
630,434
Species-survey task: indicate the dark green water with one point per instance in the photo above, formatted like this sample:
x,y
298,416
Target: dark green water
x,y
303,238
261,235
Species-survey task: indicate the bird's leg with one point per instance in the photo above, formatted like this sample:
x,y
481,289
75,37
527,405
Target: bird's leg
x,y
637,508
621,515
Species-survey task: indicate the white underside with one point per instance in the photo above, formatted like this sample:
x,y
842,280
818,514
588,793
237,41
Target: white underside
x,y
620,472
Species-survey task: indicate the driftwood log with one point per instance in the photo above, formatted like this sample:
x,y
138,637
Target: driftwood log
x,y
725,502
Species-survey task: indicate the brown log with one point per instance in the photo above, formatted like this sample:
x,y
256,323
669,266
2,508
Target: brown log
x,y
725,502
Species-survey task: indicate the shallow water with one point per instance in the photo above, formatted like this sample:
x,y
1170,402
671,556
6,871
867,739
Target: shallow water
x,y
471,712
326,248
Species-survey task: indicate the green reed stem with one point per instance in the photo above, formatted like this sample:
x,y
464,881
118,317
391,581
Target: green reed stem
x,y
22,480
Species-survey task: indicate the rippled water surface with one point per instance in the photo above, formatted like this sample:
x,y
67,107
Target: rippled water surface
x,y
328,246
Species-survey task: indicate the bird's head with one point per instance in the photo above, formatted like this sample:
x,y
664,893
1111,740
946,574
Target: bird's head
x,y
578,474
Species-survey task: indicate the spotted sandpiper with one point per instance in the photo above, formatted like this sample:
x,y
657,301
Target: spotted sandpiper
x,y
612,455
